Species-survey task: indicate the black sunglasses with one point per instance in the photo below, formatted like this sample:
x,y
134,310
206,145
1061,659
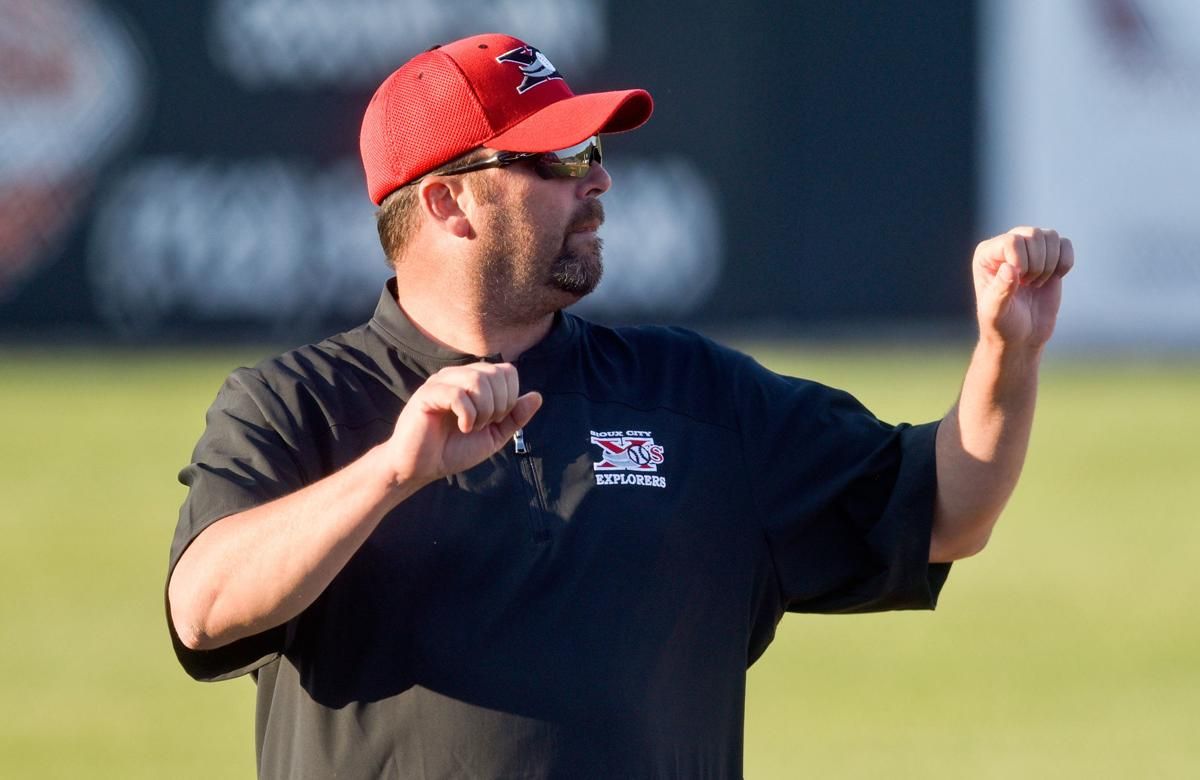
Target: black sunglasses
x,y
574,162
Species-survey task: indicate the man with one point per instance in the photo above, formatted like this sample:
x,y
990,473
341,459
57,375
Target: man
x,y
479,537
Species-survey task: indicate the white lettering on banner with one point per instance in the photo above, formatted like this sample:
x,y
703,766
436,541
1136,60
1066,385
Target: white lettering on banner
x,y
283,244
271,242
355,43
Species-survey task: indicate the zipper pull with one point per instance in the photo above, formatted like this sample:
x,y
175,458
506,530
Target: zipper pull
x,y
519,442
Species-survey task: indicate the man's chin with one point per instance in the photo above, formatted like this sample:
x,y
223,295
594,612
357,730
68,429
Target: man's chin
x,y
569,295
576,282
577,274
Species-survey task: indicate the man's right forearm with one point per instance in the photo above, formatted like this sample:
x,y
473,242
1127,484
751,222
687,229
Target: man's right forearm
x,y
258,569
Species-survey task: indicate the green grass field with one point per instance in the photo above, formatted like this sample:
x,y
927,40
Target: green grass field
x,y
1069,649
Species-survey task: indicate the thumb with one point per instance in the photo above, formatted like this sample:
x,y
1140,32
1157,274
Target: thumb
x,y
525,408
520,415
1004,282
996,292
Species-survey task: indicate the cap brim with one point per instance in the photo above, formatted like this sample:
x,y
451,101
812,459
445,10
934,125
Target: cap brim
x,y
570,121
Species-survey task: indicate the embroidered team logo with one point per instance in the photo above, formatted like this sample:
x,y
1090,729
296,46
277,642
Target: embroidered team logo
x,y
628,451
533,64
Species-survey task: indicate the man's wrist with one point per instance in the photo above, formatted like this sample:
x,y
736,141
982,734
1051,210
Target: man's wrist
x,y
1008,353
380,468
1010,369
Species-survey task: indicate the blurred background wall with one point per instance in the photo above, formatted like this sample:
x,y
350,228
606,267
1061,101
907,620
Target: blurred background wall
x,y
189,170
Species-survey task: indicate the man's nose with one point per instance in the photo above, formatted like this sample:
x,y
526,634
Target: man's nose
x,y
596,183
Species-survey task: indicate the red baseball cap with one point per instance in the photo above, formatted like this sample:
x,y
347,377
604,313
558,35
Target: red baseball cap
x,y
487,90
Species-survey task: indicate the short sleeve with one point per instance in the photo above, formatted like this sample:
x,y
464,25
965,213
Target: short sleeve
x,y
845,501
241,461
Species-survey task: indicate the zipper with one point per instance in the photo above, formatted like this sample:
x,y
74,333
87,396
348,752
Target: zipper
x,y
535,497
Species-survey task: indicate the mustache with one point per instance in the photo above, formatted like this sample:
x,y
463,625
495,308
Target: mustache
x,y
590,211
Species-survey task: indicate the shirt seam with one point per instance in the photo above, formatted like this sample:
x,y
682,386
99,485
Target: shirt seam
x,y
404,348
747,479
358,426
287,447
636,408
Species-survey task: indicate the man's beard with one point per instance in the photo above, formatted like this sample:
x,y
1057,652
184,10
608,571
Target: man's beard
x,y
525,276
578,273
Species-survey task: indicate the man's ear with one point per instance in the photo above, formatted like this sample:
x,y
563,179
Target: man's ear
x,y
439,199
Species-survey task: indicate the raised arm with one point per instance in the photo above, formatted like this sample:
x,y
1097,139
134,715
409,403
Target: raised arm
x,y
259,568
982,441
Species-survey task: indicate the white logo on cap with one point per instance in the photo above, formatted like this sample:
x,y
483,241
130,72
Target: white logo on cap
x,y
534,66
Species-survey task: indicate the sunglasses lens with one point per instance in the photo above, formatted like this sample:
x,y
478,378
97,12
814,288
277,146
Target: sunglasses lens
x,y
573,162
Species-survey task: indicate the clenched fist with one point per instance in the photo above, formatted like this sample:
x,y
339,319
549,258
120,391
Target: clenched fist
x,y
461,416
1018,285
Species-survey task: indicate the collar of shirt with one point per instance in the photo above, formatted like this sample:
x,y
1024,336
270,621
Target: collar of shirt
x,y
428,357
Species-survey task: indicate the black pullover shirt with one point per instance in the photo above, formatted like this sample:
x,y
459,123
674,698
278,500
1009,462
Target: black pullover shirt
x,y
584,603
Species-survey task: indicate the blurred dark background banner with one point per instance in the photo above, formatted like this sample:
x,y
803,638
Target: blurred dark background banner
x,y
187,170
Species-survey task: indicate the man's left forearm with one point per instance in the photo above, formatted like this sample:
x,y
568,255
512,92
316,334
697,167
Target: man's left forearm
x,y
982,441
981,446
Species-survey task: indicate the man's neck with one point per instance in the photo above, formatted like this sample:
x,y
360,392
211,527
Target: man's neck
x,y
460,325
